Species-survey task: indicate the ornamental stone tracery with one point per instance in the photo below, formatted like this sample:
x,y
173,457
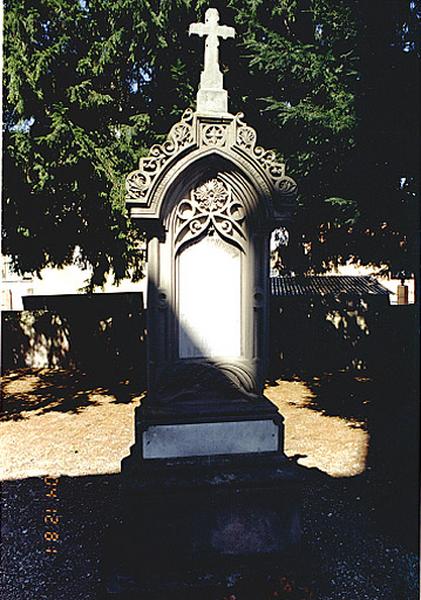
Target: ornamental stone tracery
x,y
211,207
139,182
195,132
214,135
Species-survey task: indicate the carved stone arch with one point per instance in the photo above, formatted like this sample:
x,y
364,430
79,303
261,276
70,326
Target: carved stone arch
x,y
206,166
188,142
210,166
212,195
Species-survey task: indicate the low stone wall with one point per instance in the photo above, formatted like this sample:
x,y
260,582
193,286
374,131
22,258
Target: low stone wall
x,y
101,333
105,333
331,334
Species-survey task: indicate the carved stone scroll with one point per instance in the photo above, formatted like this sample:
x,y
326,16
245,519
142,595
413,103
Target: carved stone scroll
x,y
138,183
196,133
246,139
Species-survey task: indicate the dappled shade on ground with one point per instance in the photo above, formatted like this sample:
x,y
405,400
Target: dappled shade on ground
x,y
337,445
359,518
63,422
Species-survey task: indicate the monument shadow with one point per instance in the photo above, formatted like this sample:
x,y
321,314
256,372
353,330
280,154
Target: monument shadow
x,y
365,372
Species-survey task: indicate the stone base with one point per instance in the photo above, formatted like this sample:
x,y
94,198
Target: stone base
x,y
203,428
211,101
193,523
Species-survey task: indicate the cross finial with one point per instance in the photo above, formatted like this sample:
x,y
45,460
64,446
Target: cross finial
x,y
211,96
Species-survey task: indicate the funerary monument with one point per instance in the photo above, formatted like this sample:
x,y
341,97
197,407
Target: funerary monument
x,y
208,482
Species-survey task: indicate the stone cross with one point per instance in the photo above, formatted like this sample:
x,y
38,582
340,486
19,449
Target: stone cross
x,y
211,96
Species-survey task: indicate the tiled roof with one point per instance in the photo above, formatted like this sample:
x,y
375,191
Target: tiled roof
x,y
325,285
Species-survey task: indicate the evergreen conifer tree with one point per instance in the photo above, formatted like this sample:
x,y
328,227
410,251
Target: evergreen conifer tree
x,y
90,85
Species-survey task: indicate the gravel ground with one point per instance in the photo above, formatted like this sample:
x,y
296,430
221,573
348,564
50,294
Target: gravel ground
x,y
359,512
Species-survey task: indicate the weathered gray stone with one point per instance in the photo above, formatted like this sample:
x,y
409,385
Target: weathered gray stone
x,y
211,97
210,189
212,137
206,477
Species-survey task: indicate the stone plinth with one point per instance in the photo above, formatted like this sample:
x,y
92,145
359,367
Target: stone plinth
x,y
212,101
196,522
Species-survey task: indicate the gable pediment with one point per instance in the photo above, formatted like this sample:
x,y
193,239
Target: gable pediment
x,y
195,137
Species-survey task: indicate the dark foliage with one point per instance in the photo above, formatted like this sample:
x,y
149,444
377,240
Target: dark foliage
x,y
91,84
